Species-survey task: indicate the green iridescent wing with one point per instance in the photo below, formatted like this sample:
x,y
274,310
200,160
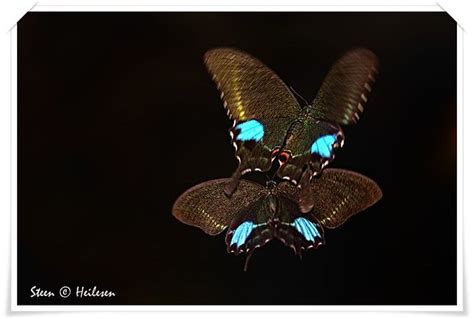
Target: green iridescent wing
x,y
258,215
207,207
340,194
299,145
346,87
288,214
337,195
249,89
340,100
258,101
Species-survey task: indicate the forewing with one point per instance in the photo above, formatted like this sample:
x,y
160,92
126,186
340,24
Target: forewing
x,y
345,89
338,195
249,89
258,101
206,206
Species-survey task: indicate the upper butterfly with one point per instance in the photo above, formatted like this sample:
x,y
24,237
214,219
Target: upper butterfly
x,y
256,214
269,122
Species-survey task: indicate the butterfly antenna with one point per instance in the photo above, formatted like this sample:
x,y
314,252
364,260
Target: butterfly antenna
x,y
299,95
247,260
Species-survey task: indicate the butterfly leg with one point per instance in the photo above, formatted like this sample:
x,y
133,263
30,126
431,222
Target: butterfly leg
x,y
306,200
232,185
248,259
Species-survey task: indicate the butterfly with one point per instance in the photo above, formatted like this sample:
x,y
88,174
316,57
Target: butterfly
x,y
256,214
269,123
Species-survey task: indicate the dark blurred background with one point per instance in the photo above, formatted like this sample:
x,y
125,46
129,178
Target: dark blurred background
x,y
117,116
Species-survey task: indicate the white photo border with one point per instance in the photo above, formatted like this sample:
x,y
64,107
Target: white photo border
x,y
260,8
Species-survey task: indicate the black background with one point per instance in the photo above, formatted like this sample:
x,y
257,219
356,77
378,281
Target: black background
x,y
117,116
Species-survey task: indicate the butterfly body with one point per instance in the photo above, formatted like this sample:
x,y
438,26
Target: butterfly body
x,y
269,122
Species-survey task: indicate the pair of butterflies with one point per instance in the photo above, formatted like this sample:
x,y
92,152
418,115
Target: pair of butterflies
x,y
269,124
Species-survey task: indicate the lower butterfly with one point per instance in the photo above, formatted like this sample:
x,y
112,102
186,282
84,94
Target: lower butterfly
x,y
256,214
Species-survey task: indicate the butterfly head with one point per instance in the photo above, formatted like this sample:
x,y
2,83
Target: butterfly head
x,y
271,184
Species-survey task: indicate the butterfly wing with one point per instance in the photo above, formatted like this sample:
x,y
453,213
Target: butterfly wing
x,y
339,101
207,207
250,229
338,194
258,101
345,89
310,143
341,194
298,231
256,140
249,89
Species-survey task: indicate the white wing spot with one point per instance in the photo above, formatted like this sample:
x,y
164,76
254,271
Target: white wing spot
x,y
367,87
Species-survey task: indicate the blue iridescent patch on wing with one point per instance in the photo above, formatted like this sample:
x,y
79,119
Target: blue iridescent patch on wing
x,y
306,228
241,233
250,130
323,145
